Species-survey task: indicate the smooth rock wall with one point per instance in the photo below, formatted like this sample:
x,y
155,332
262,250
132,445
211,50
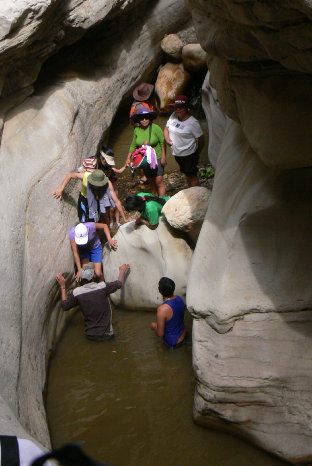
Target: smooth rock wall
x,y
43,138
249,289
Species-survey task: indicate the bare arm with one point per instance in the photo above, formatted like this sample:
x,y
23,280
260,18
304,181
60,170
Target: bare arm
x,y
73,175
120,170
163,156
140,221
117,202
77,259
128,159
162,315
102,226
61,281
122,270
167,137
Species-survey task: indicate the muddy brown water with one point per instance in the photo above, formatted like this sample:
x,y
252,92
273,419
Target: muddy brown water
x,y
129,401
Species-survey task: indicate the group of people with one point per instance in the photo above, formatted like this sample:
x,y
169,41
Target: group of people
x,y
98,204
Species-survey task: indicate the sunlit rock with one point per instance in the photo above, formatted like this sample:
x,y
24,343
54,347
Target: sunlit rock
x,y
249,285
172,46
151,254
171,81
186,210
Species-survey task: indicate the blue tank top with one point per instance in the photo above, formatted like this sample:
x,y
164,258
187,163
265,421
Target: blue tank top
x,y
175,326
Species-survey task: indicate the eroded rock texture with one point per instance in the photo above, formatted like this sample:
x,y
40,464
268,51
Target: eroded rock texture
x,y
249,284
152,254
49,125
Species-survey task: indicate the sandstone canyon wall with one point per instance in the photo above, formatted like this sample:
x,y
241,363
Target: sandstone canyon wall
x,y
249,284
65,68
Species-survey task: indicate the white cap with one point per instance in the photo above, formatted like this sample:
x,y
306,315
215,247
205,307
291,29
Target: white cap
x,y
81,234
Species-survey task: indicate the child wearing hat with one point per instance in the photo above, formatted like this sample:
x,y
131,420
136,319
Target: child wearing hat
x,y
86,246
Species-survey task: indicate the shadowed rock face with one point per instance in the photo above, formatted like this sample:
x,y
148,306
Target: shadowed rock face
x,y
261,67
48,126
249,282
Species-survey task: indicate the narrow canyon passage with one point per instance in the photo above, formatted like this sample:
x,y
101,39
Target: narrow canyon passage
x,y
129,400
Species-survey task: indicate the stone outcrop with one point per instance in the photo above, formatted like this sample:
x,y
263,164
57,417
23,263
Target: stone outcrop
x,y
45,134
172,46
171,81
151,254
194,57
249,283
186,210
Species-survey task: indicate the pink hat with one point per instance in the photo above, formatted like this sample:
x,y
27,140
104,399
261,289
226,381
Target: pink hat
x,y
143,92
180,100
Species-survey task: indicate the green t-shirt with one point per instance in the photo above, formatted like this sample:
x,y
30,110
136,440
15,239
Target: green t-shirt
x,y
141,136
152,210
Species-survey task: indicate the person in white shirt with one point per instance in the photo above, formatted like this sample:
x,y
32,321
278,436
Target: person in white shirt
x,y
185,137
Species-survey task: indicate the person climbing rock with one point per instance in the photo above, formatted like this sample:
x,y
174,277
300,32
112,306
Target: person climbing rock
x,y
149,207
90,166
169,323
86,246
92,297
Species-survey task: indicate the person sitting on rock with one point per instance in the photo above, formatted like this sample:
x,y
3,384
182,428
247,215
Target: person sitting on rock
x,y
149,207
92,298
169,323
86,246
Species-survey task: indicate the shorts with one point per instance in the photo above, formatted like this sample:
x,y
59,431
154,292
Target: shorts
x,y
94,255
188,163
153,172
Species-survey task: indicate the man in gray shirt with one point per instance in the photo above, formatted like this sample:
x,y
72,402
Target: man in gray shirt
x,y
93,300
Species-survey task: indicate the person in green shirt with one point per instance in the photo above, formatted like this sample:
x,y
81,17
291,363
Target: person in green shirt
x,y
148,133
149,206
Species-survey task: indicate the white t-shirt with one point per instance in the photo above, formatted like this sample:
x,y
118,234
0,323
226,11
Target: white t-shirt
x,y
183,135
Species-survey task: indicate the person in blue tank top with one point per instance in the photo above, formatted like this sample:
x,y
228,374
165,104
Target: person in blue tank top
x,y
169,323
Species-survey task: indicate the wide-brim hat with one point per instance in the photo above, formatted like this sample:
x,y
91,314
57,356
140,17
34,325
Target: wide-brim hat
x,y
81,234
144,111
97,178
179,101
109,159
143,92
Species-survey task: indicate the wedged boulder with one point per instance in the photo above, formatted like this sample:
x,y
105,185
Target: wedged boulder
x,y
194,57
249,287
151,254
171,81
172,46
186,210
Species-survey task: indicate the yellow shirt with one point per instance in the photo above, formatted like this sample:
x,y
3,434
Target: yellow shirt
x,y
84,184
